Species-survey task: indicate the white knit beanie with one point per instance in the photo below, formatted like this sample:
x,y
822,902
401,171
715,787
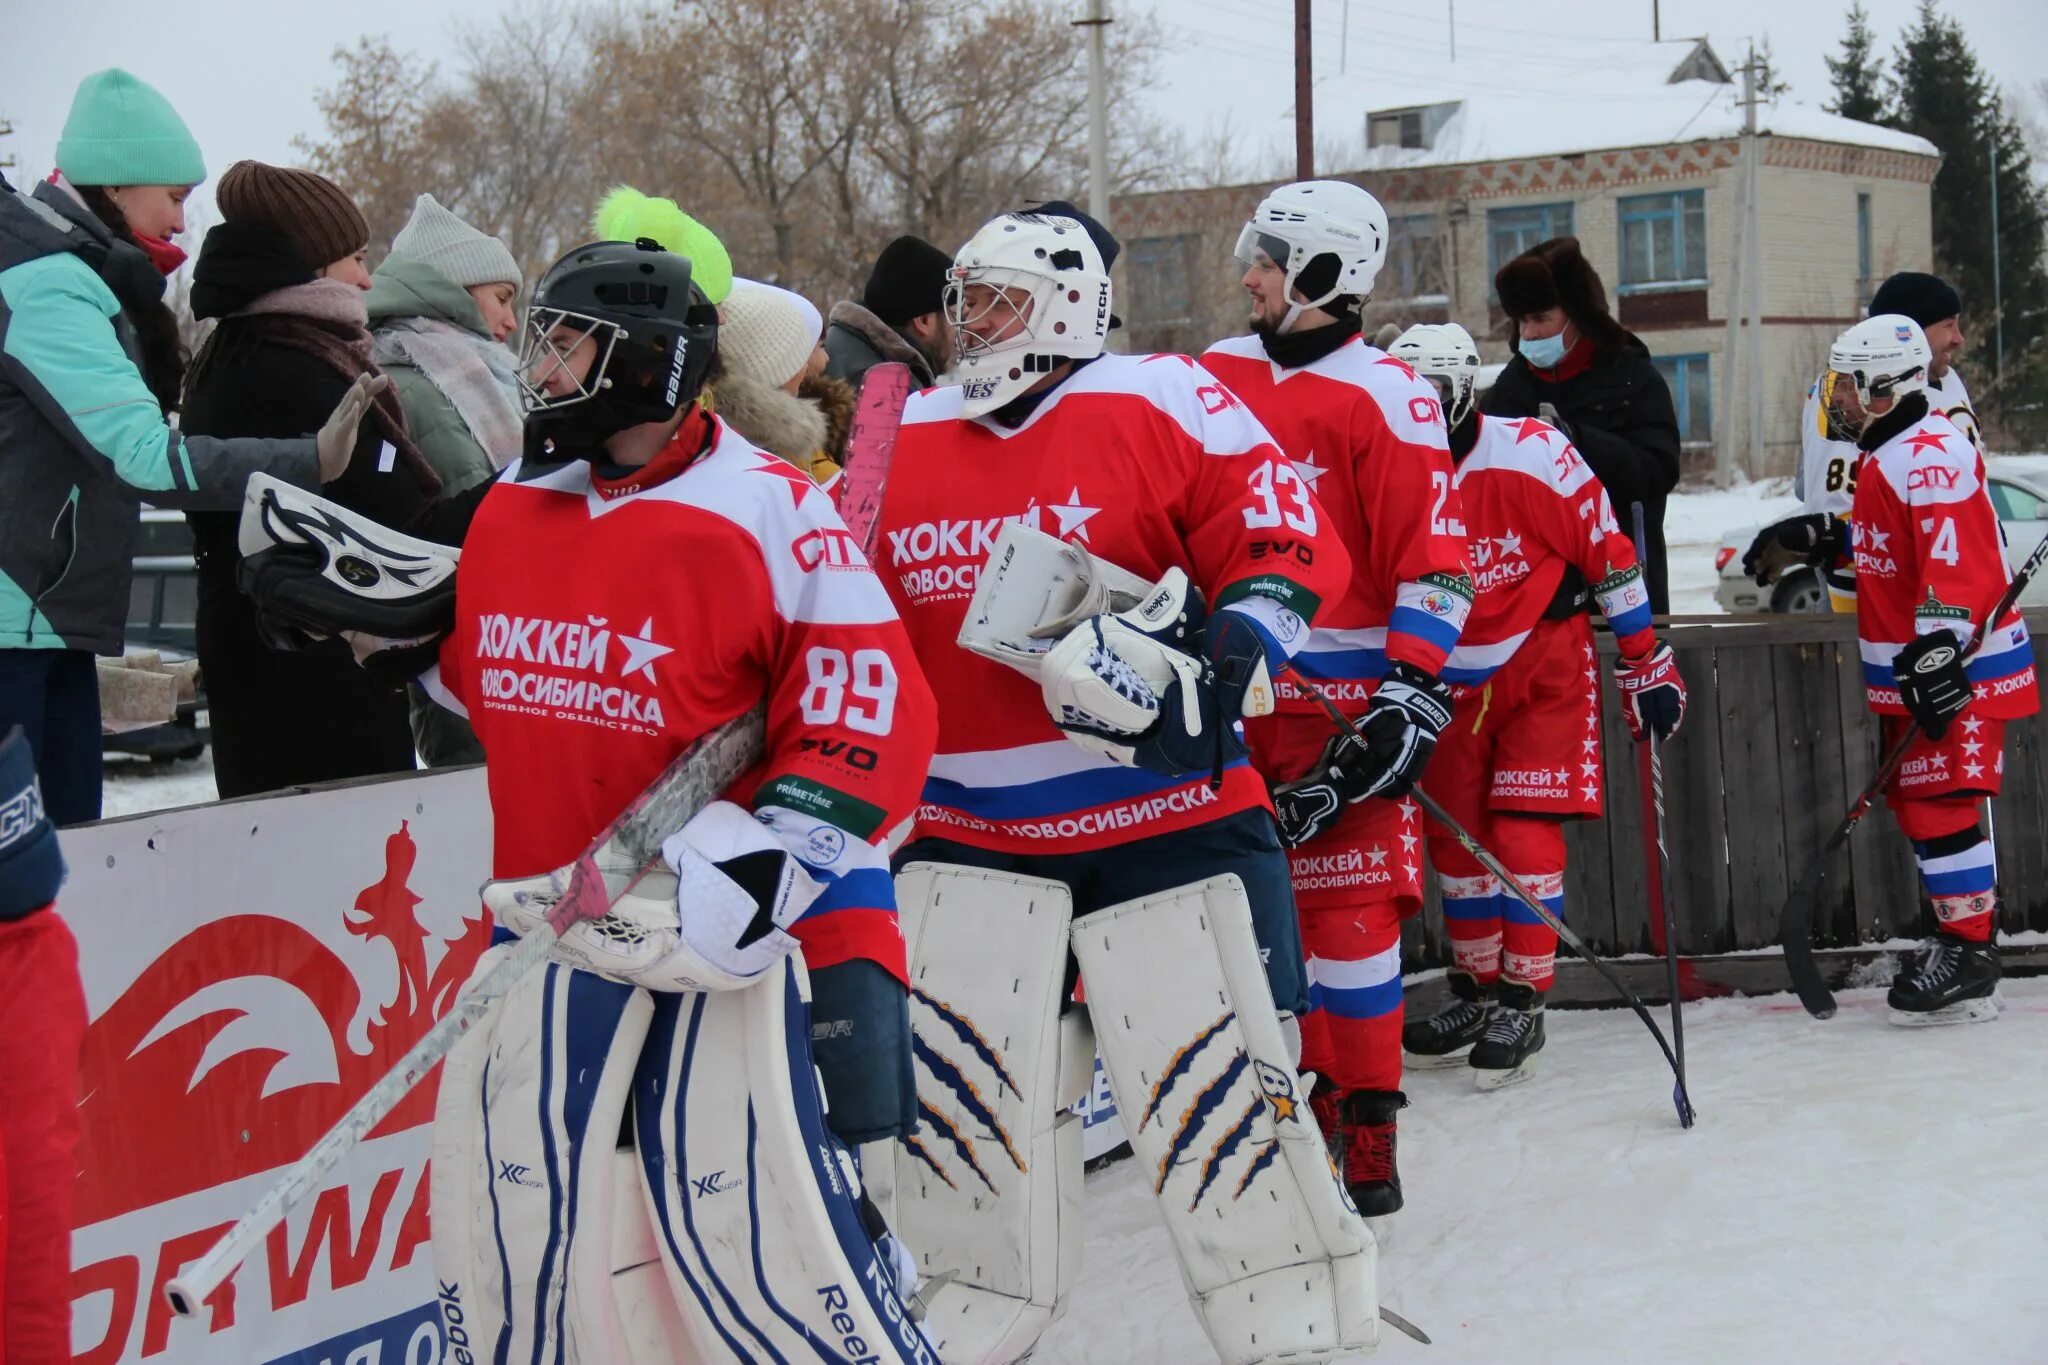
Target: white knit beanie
x,y
767,334
435,237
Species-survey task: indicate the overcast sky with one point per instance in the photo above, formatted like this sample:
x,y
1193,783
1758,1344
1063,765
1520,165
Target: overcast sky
x,y
244,72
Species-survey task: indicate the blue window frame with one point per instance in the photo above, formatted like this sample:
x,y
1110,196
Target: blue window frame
x,y
1510,232
1663,239
1687,376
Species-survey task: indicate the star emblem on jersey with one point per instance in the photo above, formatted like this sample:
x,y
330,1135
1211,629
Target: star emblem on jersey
x,y
1924,440
1309,470
1879,540
800,484
1073,515
1973,770
642,651
1376,855
1972,724
1533,429
1509,544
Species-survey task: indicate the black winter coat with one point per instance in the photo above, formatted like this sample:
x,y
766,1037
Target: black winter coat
x,y
1618,412
286,718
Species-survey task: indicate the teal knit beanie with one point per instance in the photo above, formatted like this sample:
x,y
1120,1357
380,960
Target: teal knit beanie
x,y
122,132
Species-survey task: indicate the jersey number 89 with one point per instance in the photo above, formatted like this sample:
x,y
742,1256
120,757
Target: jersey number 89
x,y
859,693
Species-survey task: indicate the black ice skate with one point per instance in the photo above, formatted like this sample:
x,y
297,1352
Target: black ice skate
x,y
1443,1039
1368,1135
1506,1053
1955,982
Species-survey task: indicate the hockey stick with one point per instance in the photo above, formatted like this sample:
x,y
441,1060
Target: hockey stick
x,y
1680,1099
1795,921
612,864
1650,773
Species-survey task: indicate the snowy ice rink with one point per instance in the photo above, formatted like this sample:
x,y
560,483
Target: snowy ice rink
x,y
1853,1193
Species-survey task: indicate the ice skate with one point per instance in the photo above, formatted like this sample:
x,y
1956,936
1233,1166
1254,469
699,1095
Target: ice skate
x,y
1507,1052
1445,1038
1954,982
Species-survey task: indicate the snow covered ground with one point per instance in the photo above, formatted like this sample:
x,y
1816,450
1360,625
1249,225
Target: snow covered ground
x,y
1853,1192
134,785
1695,520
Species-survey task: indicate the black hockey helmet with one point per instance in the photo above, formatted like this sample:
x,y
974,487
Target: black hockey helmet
x,y
651,335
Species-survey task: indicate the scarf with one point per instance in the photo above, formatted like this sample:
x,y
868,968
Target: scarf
x,y
327,319
478,376
1292,350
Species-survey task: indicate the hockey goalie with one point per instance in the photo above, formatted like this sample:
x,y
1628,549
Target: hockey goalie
x,y
638,1154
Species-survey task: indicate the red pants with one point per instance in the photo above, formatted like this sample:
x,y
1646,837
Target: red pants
x,y
1935,795
42,1025
1522,754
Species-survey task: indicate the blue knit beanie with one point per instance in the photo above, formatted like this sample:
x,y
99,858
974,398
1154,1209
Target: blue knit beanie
x,y
31,868
122,132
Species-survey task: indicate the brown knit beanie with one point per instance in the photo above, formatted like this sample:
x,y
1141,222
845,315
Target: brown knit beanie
x,y
322,222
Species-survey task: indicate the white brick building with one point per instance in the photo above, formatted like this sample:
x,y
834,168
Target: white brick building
x,y
1641,160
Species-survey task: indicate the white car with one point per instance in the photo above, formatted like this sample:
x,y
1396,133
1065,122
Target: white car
x,y
2019,495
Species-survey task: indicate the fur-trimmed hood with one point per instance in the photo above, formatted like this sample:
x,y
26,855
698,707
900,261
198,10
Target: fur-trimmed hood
x,y
1556,274
879,337
836,399
780,423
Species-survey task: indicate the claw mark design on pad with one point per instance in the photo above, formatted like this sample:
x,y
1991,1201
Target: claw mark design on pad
x,y
943,1125
1178,1067
918,1150
1226,1145
947,1074
964,1029
1259,1163
1205,1103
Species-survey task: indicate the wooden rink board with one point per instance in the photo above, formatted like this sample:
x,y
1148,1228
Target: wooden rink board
x,y
1777,742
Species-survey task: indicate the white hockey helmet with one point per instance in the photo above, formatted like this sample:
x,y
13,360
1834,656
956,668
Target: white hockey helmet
x,y
1297,224
1443,353
1881,357
1048,276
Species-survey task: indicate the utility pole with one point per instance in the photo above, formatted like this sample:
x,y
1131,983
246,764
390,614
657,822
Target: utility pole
x,y
1304,97
1098,112
1452,5
1740,299
1997,287
1656,21
1753,274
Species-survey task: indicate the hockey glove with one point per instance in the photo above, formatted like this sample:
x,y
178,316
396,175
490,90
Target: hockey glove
x,y
712,916
1407,713
1932,681
1816,538
1652,693
1307,806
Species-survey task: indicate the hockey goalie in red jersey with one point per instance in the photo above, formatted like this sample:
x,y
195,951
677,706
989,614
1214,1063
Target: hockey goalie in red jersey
x,y
1091,767
1522,754
1368,436
1930,564
640,577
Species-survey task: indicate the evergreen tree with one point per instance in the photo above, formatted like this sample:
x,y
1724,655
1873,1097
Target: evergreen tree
x,y
1941,93
1859,91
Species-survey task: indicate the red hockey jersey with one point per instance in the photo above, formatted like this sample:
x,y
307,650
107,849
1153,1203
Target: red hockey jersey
x,y
602,627
1534,508
1150,463
1368,436
1930,556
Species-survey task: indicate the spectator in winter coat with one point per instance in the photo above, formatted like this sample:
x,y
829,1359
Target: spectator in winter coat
x,y
901,316
284,273
441,306
767,352
1576,367
89,367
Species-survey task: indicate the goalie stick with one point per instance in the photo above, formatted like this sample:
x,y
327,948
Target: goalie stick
x,y
1795,921
1679,1098
609,868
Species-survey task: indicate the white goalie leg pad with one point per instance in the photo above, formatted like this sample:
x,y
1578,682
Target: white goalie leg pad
x,y
526,1129
1278,1263
755,1205
987,1190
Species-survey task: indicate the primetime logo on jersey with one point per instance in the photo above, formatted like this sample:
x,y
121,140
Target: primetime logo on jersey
x,y
554,652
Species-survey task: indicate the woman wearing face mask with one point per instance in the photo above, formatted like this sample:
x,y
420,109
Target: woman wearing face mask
x,y
285,275
441,306
90,370
1575,366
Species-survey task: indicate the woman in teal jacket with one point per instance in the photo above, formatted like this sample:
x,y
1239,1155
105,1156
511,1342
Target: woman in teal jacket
x,y
88,371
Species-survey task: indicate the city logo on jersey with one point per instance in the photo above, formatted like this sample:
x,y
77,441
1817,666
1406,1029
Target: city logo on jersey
x,y
942,559
827,547
537,663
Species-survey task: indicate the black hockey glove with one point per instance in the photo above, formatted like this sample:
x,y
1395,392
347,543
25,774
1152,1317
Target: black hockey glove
x,y
1816,538
1932,682
1233,660
1401,724
1307,806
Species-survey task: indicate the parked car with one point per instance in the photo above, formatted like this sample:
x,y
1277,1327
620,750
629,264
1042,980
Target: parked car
x,y
163,614
2020,498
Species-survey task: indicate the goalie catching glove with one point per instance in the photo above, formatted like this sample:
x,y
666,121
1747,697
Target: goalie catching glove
x,y
711,916
1127,686
1407,713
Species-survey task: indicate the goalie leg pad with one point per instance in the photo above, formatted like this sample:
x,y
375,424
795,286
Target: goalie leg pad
x,y
1278,1263
755,1206
526,1128
987,1190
